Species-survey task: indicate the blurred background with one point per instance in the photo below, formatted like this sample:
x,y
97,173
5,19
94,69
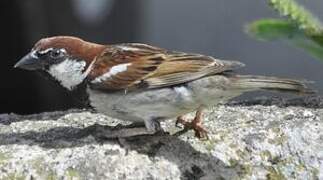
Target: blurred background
x,y
209,27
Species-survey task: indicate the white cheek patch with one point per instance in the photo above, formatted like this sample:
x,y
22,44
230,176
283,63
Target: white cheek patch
x,y
69,72
113,71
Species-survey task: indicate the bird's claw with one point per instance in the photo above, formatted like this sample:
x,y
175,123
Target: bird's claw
x,y
199,131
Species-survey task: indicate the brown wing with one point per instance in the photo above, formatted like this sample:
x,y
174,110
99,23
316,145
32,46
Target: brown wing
x,y
129,66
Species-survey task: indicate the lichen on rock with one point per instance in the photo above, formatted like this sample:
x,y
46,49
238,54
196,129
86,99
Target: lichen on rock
x,y
255,139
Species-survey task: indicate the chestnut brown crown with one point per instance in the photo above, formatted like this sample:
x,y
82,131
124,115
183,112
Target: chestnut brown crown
x,y
75,47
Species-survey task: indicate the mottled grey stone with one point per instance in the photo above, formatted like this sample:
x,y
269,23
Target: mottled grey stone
x,y
255,139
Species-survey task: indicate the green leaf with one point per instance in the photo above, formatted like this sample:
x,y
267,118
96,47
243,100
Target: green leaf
x,y
301,29
276,29
310,45
272,29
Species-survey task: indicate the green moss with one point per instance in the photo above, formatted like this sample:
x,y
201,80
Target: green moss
x,y
4,157
245,171
51,176
276,160
209,145
38,165
233,146
276,130
41,170
242,153
15,176
72,174
300,167
280,138
274,174
233,162
315,173
265,155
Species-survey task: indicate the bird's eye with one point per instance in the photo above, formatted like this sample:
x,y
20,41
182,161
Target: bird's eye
x,y
56,53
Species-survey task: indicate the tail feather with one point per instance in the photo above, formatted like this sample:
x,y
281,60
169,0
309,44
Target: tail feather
x,y
250,83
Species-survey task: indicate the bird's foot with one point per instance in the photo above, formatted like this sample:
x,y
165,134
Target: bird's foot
x,y
195,125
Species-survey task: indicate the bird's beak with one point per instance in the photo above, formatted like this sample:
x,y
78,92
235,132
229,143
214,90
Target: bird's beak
x,y
29,62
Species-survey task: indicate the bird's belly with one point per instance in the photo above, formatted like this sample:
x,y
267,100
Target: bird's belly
x,y
139,106
158,104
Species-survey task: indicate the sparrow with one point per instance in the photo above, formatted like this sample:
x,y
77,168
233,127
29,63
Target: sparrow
x,y
146,84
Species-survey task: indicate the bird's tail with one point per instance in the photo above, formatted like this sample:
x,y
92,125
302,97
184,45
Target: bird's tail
x,y
250,83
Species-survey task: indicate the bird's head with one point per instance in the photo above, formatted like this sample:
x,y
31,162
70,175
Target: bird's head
x,y
67,59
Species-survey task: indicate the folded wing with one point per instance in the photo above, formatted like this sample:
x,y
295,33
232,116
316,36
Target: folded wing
x,y
138,66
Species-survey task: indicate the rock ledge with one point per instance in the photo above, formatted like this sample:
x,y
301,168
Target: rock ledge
x,y
258,139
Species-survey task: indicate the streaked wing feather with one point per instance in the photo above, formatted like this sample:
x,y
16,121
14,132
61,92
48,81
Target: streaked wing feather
x,y
152,67
172,79
182,67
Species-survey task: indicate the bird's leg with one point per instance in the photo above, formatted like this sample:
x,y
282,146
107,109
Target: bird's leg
x,y
148,127
196,124
121,131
